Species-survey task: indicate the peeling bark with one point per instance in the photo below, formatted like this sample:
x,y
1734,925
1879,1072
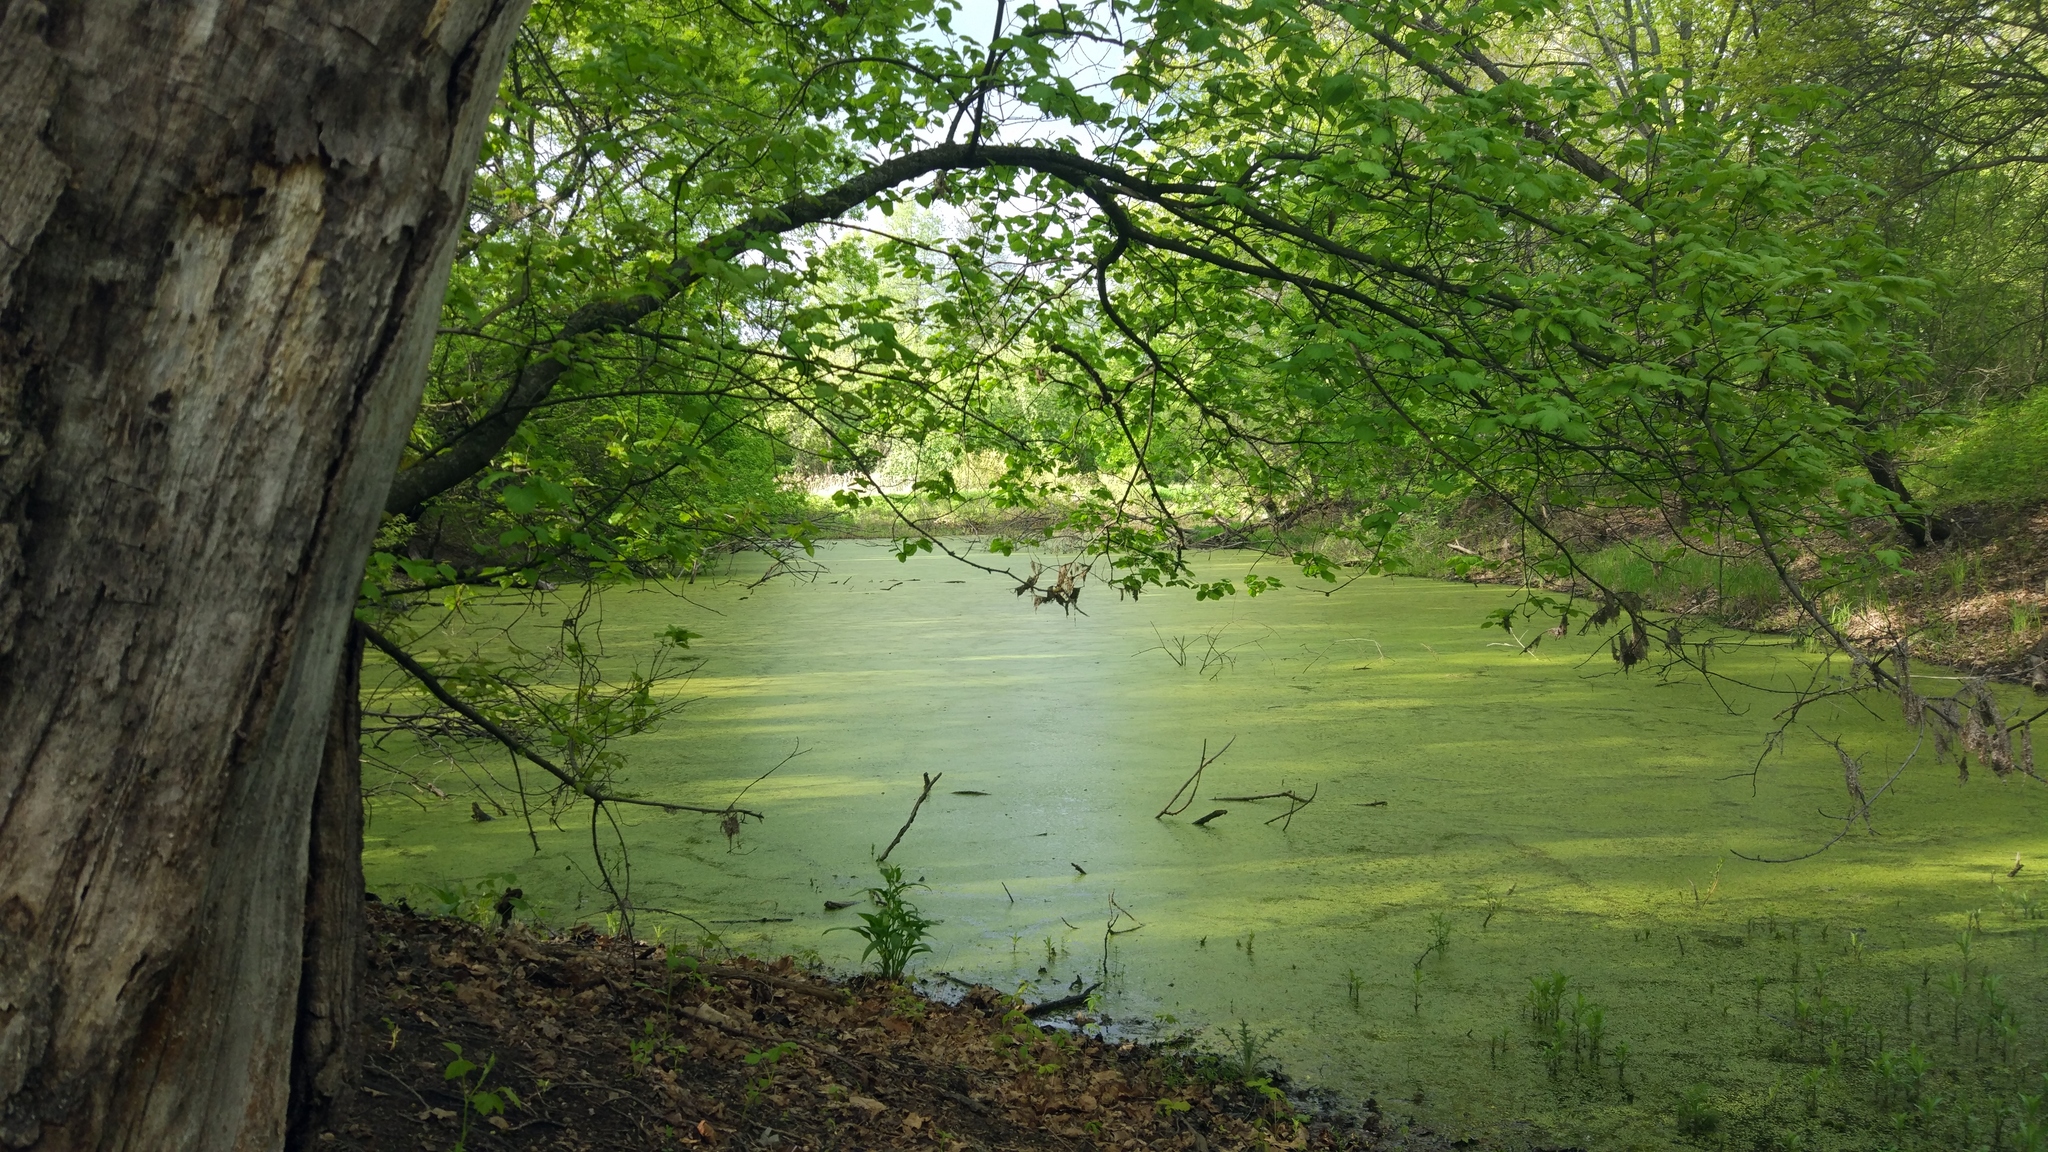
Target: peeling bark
x,y
224,234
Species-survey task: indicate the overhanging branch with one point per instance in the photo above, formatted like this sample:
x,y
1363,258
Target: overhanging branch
x,y
513,743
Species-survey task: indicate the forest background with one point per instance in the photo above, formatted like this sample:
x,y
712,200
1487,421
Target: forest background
x,y
1714,313
1669,316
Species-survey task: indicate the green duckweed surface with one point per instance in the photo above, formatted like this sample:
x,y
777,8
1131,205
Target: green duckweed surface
x,y
1541,811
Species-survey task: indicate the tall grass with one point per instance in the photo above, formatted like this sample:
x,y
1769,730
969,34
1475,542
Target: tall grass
x,y
1740,588
2000,458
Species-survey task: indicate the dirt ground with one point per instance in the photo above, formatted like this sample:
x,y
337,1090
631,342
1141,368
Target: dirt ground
x,y
1979,603
481,1039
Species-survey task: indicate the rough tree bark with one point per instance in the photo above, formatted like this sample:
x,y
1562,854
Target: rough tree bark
x,y
324,1048
224,233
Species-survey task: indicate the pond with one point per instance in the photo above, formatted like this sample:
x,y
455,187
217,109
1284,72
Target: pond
x,y
1538,812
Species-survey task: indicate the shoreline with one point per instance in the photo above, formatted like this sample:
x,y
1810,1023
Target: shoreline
x,y
583,1041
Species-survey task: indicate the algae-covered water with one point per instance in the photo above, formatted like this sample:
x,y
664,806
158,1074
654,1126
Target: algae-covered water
x,y
1540,812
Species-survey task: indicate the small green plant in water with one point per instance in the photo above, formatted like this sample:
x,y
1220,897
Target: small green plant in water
x,y
1439,935
1494,903
1546,998
895,930
1245,1059
1695,1114
1809,1089
1354,985
1244,1056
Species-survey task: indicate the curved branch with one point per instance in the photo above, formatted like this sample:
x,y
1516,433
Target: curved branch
x,y
472,450
513,743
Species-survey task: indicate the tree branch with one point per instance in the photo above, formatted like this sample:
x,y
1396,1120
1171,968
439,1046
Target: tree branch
x,y
472,450
519,747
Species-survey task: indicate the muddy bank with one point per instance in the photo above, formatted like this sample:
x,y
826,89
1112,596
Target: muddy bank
x,y
525,1040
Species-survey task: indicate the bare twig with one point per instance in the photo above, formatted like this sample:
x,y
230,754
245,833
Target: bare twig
x,y
1287,795
1295,804
1118,909
794,752
730,822
1848,819
1194,782
929,780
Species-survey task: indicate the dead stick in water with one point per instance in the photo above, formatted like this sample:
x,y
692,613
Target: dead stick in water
x,y
1194,782
929,780
1295,804
1211,816
1074,1001
1289,795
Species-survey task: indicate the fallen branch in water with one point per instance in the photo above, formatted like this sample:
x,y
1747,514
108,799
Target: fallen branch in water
x,y
1117,910
1194,782
1289,795
1211,816
929,780
1074,1001
1295,803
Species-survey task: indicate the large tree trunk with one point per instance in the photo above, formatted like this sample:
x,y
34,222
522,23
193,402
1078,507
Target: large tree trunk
x,y
224,232
324,1049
